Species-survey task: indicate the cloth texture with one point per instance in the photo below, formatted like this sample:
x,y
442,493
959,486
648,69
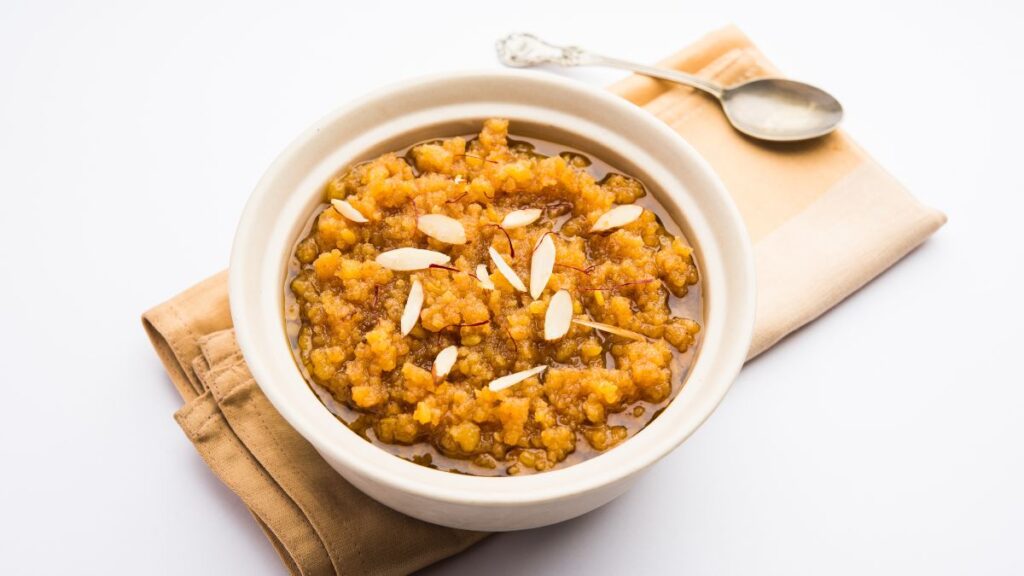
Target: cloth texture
x,y
824,218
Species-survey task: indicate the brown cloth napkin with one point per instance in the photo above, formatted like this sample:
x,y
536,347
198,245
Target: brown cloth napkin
x,y
825,219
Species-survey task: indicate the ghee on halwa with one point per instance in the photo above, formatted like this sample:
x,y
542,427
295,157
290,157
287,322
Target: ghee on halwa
x,y
344,309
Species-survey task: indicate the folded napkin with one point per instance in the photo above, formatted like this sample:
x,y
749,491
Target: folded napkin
x,y
825,219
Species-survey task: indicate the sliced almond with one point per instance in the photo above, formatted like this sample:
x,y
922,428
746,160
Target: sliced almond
x,y
618,216
413,305
445,360
484,277
499,384
348,211
405,259
558,317
506,270
541,265
443,228
610,329
520,218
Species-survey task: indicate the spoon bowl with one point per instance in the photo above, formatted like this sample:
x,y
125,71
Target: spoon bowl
x,y
781,110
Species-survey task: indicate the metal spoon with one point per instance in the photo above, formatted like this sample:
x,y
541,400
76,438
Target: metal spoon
x,y
766,108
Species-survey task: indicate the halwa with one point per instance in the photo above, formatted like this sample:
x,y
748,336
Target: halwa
x,y
481,307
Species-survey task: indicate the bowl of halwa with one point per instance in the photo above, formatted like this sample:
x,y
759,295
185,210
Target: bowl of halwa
x,y
490,300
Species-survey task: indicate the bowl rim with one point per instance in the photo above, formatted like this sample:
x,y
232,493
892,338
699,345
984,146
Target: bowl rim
x,y
437,485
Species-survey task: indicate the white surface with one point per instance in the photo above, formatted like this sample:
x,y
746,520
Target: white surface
x,y
884,438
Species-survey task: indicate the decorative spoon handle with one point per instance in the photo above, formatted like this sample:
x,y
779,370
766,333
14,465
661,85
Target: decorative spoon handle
x,y
521,50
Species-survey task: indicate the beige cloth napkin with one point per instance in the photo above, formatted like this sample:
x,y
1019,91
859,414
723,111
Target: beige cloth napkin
x,y
824,217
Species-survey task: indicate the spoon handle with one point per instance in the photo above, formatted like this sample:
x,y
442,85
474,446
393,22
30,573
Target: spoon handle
x,y
524,50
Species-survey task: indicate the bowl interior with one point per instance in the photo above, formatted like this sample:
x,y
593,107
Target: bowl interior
x,y
538,106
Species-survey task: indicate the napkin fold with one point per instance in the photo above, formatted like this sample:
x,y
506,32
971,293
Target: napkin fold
x,y
824,218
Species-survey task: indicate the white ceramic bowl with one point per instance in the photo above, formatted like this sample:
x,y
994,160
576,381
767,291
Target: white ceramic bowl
x,y
540,106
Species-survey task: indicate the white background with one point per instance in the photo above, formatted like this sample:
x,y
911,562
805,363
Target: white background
x,y
884,438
